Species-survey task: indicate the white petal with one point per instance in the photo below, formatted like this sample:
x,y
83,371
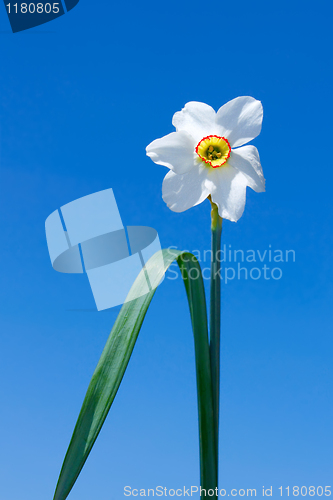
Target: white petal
x,y
175,151
240,119
246,159
181,192
197,118
228,190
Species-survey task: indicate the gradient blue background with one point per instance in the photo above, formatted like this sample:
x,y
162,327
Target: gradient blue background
x,y
72,92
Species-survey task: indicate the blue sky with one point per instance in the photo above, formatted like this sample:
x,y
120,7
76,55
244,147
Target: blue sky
x,y
72,91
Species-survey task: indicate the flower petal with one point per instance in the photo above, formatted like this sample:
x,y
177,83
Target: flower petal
x,y
181,192
246,159
240,119
227,186
175,151
197,118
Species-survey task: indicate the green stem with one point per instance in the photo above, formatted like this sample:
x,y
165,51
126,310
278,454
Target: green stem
x,y
215,319
197,303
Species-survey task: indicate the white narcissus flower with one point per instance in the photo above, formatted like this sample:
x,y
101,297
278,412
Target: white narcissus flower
x,y
202,158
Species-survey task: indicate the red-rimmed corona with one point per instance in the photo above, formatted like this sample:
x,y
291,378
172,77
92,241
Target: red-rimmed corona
x,y
214,150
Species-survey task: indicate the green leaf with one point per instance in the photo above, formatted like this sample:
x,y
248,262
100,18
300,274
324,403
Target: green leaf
x,y
115,357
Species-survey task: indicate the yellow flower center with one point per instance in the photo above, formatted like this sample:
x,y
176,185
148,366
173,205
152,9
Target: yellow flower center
x,y
213,150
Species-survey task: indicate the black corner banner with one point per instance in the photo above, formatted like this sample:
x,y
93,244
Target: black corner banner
x,y
25,15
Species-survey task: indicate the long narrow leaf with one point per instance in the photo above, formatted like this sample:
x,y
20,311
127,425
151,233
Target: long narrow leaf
x,y
115,357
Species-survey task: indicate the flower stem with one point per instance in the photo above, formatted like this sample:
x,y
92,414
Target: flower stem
x,y
215,319
197,301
